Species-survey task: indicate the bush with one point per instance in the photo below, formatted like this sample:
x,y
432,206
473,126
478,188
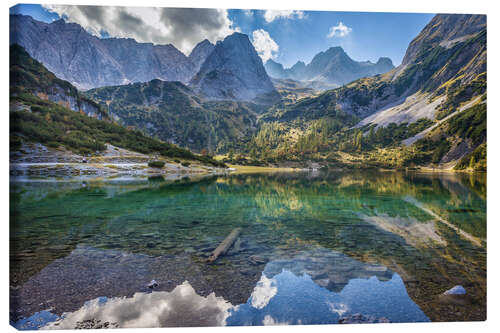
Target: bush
x,y
185,164
156,164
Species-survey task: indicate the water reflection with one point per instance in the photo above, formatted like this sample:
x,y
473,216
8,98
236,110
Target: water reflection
x,y
297,299
324,230
180,307
318,287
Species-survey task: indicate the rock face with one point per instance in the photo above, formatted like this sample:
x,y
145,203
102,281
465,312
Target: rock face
x,y
333,66
200,53
444,30
233,70
86,61
29,76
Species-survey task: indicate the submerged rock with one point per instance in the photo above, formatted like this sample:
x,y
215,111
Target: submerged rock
x,y
457,290
152,284
358,318
455,296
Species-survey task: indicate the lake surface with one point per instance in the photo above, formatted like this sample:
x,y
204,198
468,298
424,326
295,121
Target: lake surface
x,y
315,248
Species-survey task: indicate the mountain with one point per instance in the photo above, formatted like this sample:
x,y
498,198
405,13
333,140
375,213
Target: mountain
x,y
51,111
86,61
233,70
200,53
453,73
28,76
333,67
172,112
434,101
275,70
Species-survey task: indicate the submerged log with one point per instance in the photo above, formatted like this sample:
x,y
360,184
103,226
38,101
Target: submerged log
x,y
225,245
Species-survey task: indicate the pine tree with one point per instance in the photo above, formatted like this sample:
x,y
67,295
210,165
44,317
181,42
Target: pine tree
x,y
472,162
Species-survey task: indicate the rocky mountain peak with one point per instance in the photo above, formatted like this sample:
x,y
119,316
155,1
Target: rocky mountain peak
x,y
200,53
444,30
385,61
72,54
331,68
233,70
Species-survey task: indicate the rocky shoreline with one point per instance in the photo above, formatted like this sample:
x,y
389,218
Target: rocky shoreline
x,y
37,160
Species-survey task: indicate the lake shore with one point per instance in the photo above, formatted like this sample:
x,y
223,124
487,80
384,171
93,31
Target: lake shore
x,y
37,160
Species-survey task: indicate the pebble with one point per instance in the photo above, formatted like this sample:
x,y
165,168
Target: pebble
x,y
257,260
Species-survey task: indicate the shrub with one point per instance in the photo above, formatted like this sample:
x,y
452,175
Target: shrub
x,y
156,164
185,164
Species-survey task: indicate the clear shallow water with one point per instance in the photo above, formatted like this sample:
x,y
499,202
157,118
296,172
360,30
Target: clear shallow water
x,y
315,248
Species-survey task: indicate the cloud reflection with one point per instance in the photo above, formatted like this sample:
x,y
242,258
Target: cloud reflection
x,y
180,307
263,292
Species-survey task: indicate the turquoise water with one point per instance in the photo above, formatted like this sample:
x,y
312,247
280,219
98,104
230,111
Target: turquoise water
x,y
315,248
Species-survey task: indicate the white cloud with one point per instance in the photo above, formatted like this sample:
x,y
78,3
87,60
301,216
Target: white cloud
x,y
263,292
182,27
271,15
265,46
340,30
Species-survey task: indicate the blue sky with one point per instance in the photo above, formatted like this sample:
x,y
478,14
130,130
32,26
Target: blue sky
x,y
285,36
371,35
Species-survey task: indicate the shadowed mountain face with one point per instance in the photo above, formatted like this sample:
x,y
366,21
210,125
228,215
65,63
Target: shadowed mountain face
x,y
333,67
233,70
86,61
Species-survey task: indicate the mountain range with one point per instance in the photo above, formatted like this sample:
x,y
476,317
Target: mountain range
x,y
434,102
233,70
72,54
333,67
441,84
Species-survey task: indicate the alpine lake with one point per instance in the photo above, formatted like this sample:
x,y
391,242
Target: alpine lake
x,y
314,248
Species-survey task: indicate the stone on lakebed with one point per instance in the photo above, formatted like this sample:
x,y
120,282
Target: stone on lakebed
x,y
457,290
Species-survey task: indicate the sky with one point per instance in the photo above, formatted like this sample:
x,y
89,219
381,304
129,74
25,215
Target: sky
x,y
285,36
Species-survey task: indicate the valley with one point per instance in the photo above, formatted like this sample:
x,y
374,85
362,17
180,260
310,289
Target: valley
x,y
214,186
394,118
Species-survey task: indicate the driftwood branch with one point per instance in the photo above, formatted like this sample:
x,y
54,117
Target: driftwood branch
x,y
225,245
